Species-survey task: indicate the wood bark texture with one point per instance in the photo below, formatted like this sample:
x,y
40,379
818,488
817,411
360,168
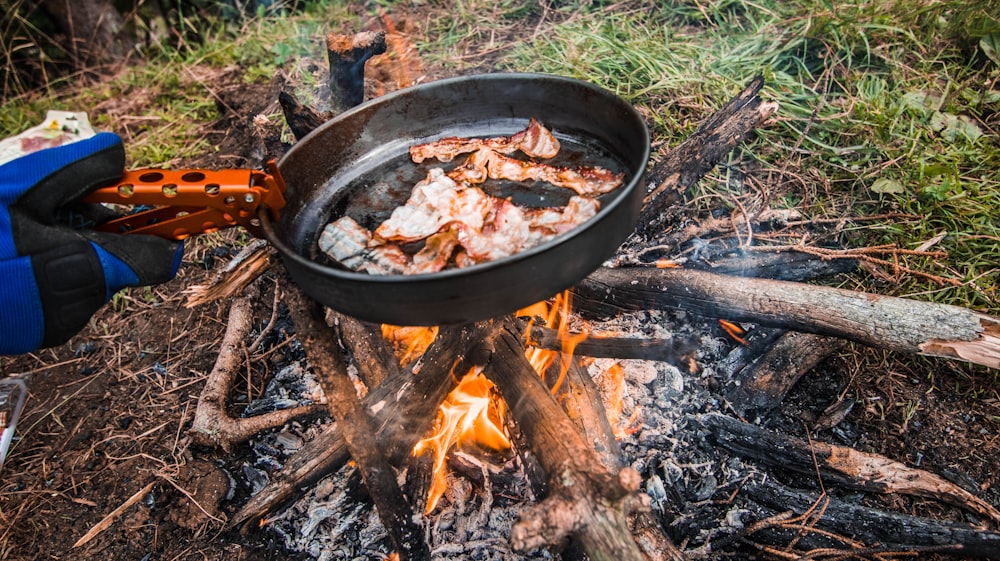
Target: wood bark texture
x,y
587,501
892,531
897,324
685,164
327,359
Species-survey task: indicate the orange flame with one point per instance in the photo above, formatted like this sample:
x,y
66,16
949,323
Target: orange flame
x,y
470,415
409,342
611,384
554,316
734,331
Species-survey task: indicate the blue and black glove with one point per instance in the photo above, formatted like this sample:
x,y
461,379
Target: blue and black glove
x,y
53,274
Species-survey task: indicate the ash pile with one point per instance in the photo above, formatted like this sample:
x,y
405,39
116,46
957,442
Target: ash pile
x,y
654,407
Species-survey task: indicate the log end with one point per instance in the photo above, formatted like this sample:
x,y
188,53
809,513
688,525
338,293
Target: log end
x,y
984,349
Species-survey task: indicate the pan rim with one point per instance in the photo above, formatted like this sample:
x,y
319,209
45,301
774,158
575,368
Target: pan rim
x,y
634,181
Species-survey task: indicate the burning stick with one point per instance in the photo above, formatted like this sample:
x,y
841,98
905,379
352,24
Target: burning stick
x,y
357,427
347,55
586,500
302,119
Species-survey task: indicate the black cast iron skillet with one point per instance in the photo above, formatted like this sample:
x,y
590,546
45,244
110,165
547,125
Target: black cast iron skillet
x,y
358,164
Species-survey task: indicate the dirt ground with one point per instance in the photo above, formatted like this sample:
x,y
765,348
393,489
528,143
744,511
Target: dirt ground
x,y
107,420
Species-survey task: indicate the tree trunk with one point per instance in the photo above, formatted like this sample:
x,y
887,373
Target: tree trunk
x,y
94,29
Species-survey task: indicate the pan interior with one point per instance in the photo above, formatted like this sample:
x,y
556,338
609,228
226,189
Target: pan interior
x,y
370,189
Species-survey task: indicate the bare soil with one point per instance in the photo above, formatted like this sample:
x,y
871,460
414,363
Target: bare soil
x,y
108,412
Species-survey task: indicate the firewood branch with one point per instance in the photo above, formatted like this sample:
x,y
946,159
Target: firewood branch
x,y
897,324
840,465
212,425
403,407
356,425
587,500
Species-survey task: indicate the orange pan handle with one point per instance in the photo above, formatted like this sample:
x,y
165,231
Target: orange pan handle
x,y
188,202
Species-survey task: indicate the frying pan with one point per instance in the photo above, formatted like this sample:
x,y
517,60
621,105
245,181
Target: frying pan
x,y
357,164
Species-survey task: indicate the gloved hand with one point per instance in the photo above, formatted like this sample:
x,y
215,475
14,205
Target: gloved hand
x,y
54,277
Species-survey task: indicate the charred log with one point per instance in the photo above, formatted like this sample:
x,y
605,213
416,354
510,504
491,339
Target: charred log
x,y
587,501
319,457
347,55
404,407
898,324
839,465
761,386
373,357
879,531
407,415
357,426
672,350
787,266
684,165
301,118
582,402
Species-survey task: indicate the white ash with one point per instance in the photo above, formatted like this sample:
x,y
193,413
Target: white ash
x,y
684,475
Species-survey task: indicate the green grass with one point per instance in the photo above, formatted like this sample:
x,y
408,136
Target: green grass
x,y
884,105
171,90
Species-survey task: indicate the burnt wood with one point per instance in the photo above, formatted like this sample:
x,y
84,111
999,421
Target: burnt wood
x,y
301,118
404,407
839,465
587,501
583,405
687,163
670,349
761,386
893,323
347,55
327,359
884,531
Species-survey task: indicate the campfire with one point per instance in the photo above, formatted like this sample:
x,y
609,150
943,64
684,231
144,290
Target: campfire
x,y
582,425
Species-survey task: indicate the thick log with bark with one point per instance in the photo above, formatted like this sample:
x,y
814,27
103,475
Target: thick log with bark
x,y
587,501
897,324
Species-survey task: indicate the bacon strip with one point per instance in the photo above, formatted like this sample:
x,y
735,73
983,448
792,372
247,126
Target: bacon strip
x,y
535,141
434,202
489,164
493,229
459,223
350,243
